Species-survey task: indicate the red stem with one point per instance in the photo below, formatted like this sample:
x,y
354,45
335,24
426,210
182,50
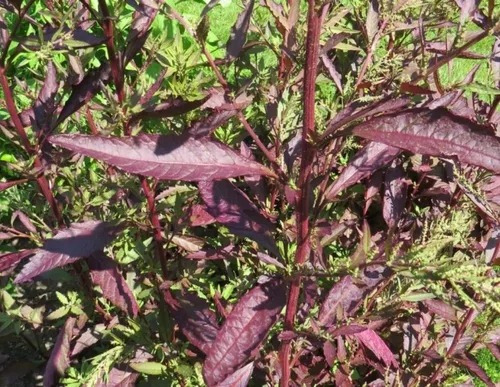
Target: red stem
x,y
304,193
116,72
42,181
155,221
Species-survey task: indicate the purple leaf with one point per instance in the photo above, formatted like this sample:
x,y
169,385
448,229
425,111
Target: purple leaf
x,y
435,133
69,245
232,208
332,71
342,299
8,260
45,104
374,343
244,330
7,184
24,219
372,157
105,273
199,216
85,91
142,19
227,252
196,321
166,157
354,111
59,357
87,339
347,330
395,194
171,108
441,309
470,363
205,126
239,378
256,183
118,378
269,260
239,31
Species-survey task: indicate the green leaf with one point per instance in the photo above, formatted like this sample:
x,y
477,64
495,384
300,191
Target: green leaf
x,y
149,368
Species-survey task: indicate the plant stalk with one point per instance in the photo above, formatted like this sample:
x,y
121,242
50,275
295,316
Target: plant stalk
x,y
304,193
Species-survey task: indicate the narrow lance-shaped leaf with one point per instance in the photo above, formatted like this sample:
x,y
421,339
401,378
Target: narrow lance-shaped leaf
x,y
470,363
85,91
171,108
9,260
244,330
7,184
166,157
239,31
45,105
372,157
371,340
435,133
239,378
69,245
59,357
196,321
394,195
105,273
232,208
141,21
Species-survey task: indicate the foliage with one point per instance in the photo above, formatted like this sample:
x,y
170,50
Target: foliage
x,y
233,193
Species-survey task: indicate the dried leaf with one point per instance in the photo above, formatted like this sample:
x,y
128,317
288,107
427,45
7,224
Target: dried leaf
x,y
166,157
232,208
196,321
372,19
105,273
435,133
59,357
372,157
239,31
244,330
69,245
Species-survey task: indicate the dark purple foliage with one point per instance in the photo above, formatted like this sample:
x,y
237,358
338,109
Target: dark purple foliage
x,y
9,260
372,157
59,357
244,329
239,378
196,321
232,208
435,133
105,273
165,157
395,194
69,245
239,31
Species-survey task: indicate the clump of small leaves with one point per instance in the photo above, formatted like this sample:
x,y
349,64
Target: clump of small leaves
x,y
314,201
